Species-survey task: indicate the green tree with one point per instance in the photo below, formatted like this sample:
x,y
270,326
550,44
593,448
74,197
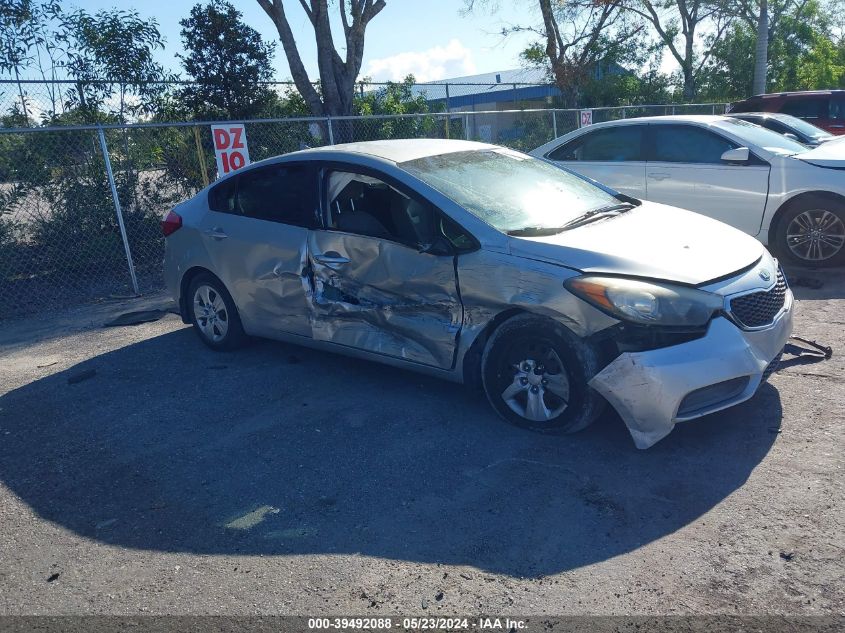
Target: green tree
x,y
393,98
228,61
801,56
579,40
108,49
17,37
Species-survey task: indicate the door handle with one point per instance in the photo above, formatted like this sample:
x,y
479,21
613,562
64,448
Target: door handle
x,y
658,175
331,259
217,233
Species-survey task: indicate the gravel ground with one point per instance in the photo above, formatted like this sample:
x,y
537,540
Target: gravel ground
x,y
142,473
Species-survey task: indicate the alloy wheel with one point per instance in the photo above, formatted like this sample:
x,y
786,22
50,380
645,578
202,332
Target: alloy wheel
x,y
815,235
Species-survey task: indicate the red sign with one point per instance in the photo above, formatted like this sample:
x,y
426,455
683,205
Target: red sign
x,y
586,117
230,147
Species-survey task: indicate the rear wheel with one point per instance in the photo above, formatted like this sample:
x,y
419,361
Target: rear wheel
x,y
812,232
535,374
213,313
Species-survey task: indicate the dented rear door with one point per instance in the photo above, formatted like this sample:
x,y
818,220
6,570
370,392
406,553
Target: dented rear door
x,y
256,234
384,297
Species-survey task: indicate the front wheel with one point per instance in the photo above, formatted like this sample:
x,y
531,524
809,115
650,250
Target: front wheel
x,y
535,374
813,232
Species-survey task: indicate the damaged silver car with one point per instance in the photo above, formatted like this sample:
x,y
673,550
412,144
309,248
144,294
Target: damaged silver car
x,y
486,266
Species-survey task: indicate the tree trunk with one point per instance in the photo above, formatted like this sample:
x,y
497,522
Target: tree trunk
x,y
689,84
761,51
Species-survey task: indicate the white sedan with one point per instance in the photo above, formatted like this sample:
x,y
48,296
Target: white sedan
x,y
764,184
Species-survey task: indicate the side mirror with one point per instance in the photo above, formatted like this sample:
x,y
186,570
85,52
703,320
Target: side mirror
x,y
790,135
738,155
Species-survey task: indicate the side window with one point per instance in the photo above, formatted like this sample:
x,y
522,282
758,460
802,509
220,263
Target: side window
x,y
221,197
623,143
806,107
837,107
364,205
776,126
280,193
688,144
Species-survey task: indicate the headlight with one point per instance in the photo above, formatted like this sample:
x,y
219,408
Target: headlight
x,y
644,302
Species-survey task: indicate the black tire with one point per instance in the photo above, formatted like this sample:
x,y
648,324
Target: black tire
x,y
810,206
536,338
234,335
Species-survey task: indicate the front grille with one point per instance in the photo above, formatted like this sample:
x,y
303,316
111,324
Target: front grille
x,y
759,309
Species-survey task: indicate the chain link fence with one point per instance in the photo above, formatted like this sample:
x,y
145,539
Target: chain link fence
x,y
80,205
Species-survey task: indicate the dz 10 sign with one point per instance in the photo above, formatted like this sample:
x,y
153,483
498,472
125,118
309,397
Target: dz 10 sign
x,y
230,147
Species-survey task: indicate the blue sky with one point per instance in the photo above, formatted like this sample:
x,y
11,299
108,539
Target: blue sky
x,y
426,37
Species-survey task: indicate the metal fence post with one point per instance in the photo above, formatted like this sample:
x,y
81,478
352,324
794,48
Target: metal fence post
x,y
331,131
201,156
554,123
117,210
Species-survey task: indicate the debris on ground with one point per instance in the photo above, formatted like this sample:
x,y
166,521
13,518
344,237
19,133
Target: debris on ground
x,y
807,282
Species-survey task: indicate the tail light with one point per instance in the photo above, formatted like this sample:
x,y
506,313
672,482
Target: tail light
x,y
171,223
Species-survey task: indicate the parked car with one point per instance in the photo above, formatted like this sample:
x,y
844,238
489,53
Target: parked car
x,y
822,108
754,179
479,264
789,126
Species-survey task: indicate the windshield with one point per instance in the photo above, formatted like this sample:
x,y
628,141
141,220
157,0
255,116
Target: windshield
x,y
808,129
761,137
509,190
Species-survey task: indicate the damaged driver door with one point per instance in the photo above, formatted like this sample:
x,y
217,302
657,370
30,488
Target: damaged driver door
x,y
383,281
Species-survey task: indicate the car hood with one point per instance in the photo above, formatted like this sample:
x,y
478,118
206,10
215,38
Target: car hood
x,y
652,240
828,154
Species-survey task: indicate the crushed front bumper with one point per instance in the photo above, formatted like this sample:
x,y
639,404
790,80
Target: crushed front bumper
x,y
655,389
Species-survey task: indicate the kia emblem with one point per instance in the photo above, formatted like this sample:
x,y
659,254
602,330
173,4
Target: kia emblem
x,y
765,275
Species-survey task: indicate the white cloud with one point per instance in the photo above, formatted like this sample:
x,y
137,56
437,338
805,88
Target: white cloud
x,y
439,62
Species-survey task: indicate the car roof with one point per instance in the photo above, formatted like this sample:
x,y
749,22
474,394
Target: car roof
x,y
398,151
796,93
702,119
780,116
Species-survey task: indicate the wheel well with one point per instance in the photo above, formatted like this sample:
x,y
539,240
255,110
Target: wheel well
x,y
187,278
796,201
472,359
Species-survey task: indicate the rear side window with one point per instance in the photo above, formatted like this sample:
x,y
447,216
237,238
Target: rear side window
x,y
688,144
617,144
221,198
280,193
807,107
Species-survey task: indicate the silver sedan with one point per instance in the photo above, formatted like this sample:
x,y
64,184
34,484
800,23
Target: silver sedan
x,y
486,266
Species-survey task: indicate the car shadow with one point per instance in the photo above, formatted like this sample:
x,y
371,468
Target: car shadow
x,y
816,283
277,450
